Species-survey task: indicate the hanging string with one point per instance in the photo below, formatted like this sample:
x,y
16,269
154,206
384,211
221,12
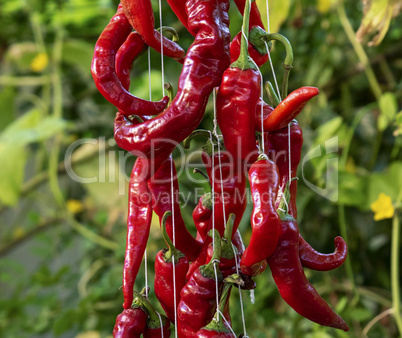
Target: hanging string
x,y
174,244
162,62
161,322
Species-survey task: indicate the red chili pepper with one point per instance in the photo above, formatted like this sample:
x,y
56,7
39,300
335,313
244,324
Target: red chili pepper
x,y
293,285
104,74
202,215
161,192
287,110
206,60
264,182
258,58
277,145
217,327
138,225
141,17
164,278
198,297
157,324
315,260
236,100
130,323
255,16
125,56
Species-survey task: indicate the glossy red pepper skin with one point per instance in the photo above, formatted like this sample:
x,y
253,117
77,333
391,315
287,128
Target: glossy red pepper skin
x,y
287,110
141,17
318,261
264,183
160,188
255,16
205,62
292,283
277,146
104,74
138,225
130,323
158,332
202,215
258,58
236,100
132,47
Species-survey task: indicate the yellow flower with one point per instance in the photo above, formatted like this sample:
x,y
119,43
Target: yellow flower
x,y
382,207
39,63
75,206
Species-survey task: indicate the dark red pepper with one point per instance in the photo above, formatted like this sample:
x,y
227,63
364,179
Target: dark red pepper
x,y
198,297
138,225
141,17
236,100
179,8
130,323
205,62
286,111
292,283
277,147
202,214
315,260
161,192
165,290
104,74
264,183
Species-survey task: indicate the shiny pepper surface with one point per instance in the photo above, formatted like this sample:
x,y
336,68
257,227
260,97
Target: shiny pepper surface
x,y
104,74
130,323
138,226
264,183
204,64
169,276
292,283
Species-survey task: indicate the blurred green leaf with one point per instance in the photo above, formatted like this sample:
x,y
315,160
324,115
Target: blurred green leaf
x,y
353,189
278,13
64,322
79,54
7,97
389,107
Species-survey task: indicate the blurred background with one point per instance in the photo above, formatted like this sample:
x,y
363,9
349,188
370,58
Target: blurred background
x,y
63,200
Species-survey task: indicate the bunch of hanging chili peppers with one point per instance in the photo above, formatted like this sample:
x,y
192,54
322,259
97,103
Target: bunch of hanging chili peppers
x,y
260,142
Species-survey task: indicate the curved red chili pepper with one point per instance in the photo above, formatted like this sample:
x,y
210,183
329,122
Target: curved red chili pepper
x,y
141,17
179,8
198,297
131,48
138,225
104,74
164,278
264,182
255,16
266,111
277,146
318,261
161,192
206,60
130,323
292,283
287,110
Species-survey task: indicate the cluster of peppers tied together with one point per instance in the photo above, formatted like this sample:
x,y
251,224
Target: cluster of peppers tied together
x,y
260,142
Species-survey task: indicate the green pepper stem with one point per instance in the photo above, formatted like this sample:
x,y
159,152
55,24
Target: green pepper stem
x,y
169,87
199,171
229,227
244,61
171,30
288,63
208,270
172,252
226,241
273,97
154,321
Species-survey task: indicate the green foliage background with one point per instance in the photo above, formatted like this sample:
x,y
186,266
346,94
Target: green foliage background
x,y
62,242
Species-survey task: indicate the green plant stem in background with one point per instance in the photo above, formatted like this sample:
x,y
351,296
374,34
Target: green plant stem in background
x,y
359,50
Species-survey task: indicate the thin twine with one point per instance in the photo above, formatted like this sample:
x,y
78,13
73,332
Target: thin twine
x,y
162,63
227,323
160,321
174,244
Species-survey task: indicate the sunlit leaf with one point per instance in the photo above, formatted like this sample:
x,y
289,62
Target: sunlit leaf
x,y
377,18
278,13
389,107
